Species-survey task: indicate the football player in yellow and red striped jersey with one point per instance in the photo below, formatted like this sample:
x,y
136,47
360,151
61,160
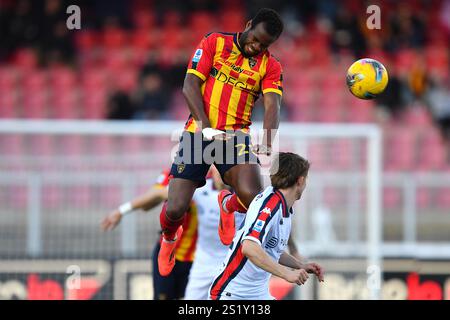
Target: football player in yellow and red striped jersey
x,y
174,285
225,76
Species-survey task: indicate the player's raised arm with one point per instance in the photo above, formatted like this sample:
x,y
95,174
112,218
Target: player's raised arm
x,y
146,202
260,258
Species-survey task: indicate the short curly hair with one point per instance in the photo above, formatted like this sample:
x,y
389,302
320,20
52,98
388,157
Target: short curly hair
x,y
271,19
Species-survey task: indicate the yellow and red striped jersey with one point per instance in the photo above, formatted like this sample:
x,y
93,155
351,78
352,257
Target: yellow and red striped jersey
x,y
232,82
185,249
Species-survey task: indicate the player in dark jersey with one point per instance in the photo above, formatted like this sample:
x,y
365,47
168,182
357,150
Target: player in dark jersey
x,y
225,76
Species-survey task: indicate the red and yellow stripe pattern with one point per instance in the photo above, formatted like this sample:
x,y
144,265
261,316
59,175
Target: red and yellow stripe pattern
x,y
232,82
185,249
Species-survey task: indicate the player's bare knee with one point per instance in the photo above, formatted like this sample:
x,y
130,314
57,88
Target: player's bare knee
x,y
176,209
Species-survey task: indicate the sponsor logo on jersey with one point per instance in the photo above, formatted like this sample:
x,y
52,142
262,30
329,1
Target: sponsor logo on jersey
x,y
258,225
272,243
222,77
180,168
259,196
197,55
238,68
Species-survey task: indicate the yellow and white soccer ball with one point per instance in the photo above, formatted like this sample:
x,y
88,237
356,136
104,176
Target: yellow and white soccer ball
x,y
367,78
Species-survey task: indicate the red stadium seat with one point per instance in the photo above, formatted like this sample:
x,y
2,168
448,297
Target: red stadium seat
x,y
8,78
443,199
126,79
35,105
379,55
342,151
65,105
8,104
100,145
405,60
304,83
11,144
301,114
362,111
144,20
173,37
432,154
317,154
301,106
400,149
330,105
94,105
110,195
86,40
18,197
437,56
424,197
113,38
36,80
71,145
25,59
334,197
391,198
62,78
143,39
178,109
117,59
94,78
53,197
329,111
200,23
417,116
41,145
334,80
132,144
78,197
232,21
172,18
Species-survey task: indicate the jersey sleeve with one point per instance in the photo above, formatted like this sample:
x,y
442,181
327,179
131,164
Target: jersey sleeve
x,y
163,180
273,79
203,57
258,223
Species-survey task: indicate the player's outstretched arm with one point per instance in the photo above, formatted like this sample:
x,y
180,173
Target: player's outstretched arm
x,y
260,258
272,104
146,202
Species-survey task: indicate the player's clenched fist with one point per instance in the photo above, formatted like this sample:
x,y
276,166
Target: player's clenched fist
x,y
211,134
262,149
298,276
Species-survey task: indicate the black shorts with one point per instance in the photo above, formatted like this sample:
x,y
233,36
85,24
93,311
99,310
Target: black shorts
x,y
174,285
195,155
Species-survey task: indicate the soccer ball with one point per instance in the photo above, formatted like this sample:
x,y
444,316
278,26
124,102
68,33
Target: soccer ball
x,y
367,78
